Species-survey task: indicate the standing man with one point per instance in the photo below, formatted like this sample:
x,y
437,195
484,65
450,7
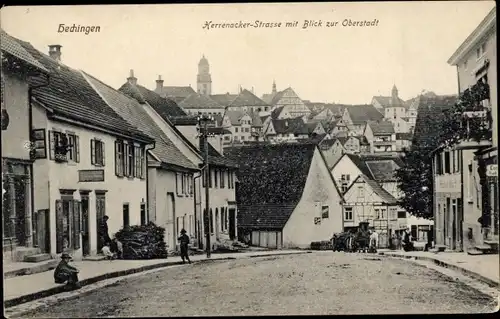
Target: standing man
x,y
184,241
103,232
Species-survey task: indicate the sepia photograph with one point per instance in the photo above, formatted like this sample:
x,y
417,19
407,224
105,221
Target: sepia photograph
x,y
249,159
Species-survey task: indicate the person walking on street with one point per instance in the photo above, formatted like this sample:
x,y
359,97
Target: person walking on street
x,y
103,231
65,273
184,241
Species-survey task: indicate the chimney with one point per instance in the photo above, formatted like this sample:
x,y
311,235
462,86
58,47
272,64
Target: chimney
x,y
253,92
132,79
55,52
159,84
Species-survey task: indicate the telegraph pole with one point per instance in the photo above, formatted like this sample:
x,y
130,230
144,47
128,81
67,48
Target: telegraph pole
x,y
208,220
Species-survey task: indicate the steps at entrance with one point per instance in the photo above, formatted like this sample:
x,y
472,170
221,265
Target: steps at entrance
x,y
37,258
22,252
94,258
474,252
487,248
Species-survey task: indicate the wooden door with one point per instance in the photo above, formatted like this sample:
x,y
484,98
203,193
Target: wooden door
x,y
100,212
232,223
43,230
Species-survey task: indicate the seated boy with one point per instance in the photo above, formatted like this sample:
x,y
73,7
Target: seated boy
x,y
106,250
64,273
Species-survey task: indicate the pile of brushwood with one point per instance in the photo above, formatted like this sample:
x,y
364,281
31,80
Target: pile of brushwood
x,y
143,241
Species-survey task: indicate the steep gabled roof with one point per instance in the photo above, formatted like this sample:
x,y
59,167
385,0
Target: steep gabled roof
x,y
386,101
272,178
276,112
386,197
235,116
165,107
68,94
290,126
256,119
361,114
177,91
199,101
247,98
381,127
132,111
379,168
11,46
277,97
223,99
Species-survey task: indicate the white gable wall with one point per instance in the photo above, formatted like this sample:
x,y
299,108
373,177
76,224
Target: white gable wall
x,y
345,167
319,191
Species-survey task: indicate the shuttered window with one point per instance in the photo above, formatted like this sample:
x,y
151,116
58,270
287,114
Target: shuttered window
x,y
97,152
177,184
216,178
119,158
222,181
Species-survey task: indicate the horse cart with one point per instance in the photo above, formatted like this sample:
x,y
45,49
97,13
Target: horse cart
x,y
357,240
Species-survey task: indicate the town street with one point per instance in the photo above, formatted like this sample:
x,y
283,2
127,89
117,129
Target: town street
x,y
309,284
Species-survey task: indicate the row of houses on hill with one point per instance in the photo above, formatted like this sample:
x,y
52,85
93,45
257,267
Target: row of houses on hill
x,y
75,149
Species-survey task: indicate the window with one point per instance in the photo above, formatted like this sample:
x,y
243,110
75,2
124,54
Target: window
x,y
97,156
126,215
348,213
439,164
242,138
383,213
210,179
139,162
456,161
73,148
402,214
119,159
377,213
393,213
361,192
447,162
129,160
222,181
236,130
216,178
144,217
324,212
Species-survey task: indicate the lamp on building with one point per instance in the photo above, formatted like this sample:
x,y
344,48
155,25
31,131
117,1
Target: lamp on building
x,y
203,120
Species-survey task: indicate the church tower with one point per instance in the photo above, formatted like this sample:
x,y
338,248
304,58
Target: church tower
x,y
394,96
274,87
204,80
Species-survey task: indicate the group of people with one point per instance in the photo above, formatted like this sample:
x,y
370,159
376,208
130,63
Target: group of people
x,y
401,241
112,249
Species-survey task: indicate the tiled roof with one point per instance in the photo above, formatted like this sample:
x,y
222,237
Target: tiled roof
x,y
277,97
430,118
177,91
314,139
290,126
256,119
12,46
130,109
247,98
188,120
404,136
383,170
234,116
380,168
165,107
361,114
215,158
381,127
71,96
377,189
311,126
223,99
276,112
271,179
327,144
199,101
386,101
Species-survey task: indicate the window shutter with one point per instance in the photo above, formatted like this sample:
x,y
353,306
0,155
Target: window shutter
x,y
92,152
76,224
177,183
191,185
59,227
51,145
77,149
103,153
117,159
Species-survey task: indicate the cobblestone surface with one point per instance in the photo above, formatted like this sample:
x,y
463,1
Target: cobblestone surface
x,y
311,284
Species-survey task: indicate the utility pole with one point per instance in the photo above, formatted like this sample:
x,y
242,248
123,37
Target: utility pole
x,y
204,119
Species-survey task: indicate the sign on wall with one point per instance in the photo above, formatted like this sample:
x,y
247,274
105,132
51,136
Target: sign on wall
x,y
91,175
492,170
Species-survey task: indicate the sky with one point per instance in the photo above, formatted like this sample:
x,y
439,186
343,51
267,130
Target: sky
x,y
409,46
